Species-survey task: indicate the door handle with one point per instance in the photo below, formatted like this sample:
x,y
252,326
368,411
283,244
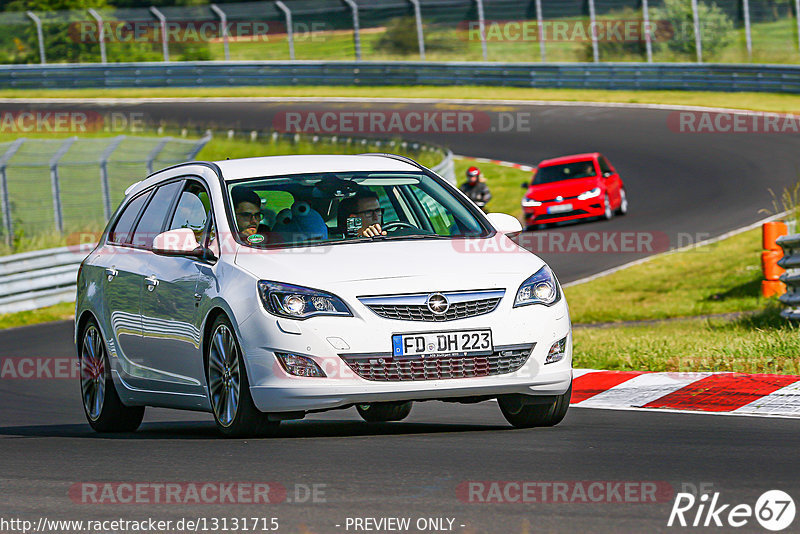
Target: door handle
x,y
152,282
111,273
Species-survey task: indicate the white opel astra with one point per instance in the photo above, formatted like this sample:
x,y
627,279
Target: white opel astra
x,y
264,289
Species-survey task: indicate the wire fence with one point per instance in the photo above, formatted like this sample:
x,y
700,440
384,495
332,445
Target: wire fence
x,y
730,31
70,185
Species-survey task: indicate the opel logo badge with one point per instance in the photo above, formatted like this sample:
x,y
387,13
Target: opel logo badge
x,y
438,303
559,198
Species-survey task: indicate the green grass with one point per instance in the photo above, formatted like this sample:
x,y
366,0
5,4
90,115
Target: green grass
x,y
760,343
775,102
718,278
58,312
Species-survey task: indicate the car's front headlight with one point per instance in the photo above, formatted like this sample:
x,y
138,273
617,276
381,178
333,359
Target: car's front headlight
x,y
297,302
530,203
541,288
591,193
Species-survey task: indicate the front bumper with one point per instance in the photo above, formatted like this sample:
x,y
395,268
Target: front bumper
x,y
581,209
323,339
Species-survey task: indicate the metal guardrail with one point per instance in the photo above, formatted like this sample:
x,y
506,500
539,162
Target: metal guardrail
x,y
673,76
37,279
791,262
32,280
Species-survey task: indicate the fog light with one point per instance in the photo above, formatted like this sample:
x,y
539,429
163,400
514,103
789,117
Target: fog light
x,y
298,365
557,351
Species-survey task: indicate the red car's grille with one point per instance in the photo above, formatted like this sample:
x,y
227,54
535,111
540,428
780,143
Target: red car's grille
x,y
385,368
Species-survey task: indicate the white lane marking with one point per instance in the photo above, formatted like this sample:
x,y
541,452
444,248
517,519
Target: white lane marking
x,y
785,401
642,389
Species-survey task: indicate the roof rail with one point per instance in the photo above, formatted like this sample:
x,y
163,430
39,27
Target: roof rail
x,y
397,157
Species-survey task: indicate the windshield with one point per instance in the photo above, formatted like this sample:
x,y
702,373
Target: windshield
x,y
335,207
567,171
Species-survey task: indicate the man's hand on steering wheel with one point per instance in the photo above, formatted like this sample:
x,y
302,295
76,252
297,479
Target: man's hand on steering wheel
x,y
371,231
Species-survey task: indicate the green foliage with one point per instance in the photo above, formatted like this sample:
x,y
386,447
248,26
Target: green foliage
x,y
401,38
675,27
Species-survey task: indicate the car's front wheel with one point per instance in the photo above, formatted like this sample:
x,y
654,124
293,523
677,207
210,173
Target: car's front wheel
x,y
101,403
381,412
623,202
235,412
608,213
523,415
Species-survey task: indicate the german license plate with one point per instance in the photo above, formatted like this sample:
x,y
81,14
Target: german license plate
x,y
561,208
438,343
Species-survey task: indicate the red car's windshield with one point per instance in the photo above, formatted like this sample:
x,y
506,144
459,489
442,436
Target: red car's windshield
x,y
566,171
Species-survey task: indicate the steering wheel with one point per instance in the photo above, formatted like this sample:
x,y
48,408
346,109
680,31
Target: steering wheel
x,y
394,225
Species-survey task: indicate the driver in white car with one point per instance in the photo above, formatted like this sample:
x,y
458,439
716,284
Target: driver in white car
x,y
361,215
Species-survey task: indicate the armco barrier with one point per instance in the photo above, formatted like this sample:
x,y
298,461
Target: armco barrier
x,y
791,262
669,76
37,279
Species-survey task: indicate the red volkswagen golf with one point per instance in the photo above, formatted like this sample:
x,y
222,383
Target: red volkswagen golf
x,y
573,187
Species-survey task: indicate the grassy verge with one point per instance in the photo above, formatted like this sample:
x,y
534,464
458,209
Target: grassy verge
x,y
718,278
759,343
58,312
783,103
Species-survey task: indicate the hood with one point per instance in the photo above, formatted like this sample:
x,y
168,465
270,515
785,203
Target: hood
x,y
565,188
385,267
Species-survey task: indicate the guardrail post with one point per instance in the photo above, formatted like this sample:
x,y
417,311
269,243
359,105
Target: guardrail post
x,y
698,41
223,20
593,30
420,31
163,22
39,34
356,29
151,157
101,34
648,35
482,28
5,200
289,29
540,25
58,214
106,190
747,36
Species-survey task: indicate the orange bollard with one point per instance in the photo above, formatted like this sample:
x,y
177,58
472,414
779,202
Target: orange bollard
x,y
772,288
770,231
769,264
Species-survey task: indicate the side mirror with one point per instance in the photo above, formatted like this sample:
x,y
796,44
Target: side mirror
x,y
180,242
525,185
504,223
607,174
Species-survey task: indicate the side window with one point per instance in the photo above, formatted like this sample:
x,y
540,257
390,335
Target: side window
x,y
152,221
604,166
192,210
124,227
389,213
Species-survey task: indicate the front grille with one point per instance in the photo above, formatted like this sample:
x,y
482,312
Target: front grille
x,y
421,312
385,368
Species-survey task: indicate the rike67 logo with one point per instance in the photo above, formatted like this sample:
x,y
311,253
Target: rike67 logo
x,y
774,510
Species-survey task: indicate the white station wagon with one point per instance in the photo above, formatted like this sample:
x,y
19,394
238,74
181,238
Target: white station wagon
x,y
264,289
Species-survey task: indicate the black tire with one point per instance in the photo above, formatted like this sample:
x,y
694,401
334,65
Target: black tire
x,y
522,415
623,204
382,412
108,413
248,421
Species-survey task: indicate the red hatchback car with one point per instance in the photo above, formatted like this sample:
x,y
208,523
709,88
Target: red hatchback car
x,y
573,187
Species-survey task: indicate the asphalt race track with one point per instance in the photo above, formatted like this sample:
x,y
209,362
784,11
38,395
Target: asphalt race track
x,y
678,183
